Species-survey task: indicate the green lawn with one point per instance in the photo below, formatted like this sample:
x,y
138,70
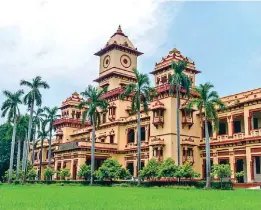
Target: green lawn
x,y
83,197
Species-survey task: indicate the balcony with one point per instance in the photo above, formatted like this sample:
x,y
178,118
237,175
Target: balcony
x,y
112,117
255,132
68,146
240,135
222,137
156,141
134,145
188,159
158,121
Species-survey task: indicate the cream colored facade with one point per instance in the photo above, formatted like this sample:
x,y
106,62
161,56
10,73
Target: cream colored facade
x,y
238,143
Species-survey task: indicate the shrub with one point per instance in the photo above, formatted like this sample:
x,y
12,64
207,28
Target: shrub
x,y
239,176
5,177
111,170
167,169
151,170
48,173
221,171
84,172
31,174
64,173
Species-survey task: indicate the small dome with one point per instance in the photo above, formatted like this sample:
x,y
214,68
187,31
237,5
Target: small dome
x,y
120,38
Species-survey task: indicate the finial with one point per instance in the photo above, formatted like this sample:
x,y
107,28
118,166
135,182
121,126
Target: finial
x,y
119,29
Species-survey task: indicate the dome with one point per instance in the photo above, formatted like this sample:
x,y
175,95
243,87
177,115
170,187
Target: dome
x,y
120,38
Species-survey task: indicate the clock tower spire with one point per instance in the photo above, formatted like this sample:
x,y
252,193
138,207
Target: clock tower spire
x,y
117,59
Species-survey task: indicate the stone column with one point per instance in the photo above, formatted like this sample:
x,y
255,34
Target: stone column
x,y
55,168
247,121
249,164
214,131
232,164
230,126
135,136
135,167
71,169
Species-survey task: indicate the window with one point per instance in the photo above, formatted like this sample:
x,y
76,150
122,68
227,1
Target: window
x,y
142,165
102,140
258,167
112,139
143,134
222,128
237,126
223,162
130,167
255,123
104,118
131,136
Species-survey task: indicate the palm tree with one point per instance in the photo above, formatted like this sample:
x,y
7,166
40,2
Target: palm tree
x,y
207,102
22,126
177,81
142,93
42,134
11,108
33,97
51,117
38,118
94,104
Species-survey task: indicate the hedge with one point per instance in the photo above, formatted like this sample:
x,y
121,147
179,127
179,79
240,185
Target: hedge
x,y
197,184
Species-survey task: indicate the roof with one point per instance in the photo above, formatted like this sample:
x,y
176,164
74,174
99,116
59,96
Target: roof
x,y
72,100
120,40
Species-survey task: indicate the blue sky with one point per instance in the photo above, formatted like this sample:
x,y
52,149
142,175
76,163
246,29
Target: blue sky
x,y
40,38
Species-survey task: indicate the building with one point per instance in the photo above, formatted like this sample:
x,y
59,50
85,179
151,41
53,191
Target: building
x,y
237,143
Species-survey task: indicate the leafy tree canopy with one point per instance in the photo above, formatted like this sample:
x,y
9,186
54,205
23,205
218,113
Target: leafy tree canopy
x,y
151,170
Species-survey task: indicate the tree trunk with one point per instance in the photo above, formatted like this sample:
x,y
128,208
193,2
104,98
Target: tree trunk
x,y
23,158
50,144
208,164
41,161
93,150
12,153
32,158
139,148
178,125
18,158
29,134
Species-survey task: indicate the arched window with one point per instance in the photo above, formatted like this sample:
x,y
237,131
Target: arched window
x,y
143,133
131,136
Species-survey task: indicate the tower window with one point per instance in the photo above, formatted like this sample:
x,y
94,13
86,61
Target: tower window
x,y
131,136
143,134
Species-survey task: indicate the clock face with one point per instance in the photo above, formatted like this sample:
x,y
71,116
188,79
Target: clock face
x,y
125,61
106,61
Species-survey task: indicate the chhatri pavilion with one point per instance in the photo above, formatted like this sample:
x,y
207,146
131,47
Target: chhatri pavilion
x,y
237,142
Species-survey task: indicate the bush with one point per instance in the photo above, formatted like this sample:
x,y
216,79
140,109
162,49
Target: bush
x,y
221,171
5,177
239,176
167,169
31,174
84,172
151,170
111,170
186,171
64,173
48,173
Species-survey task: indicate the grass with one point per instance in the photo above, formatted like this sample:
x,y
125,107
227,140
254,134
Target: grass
x,y
83,197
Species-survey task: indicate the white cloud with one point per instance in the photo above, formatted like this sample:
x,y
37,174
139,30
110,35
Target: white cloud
x,y
57,38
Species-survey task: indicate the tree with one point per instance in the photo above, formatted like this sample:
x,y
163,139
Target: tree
x,y
167,169
38,118
94,104
112,170
33,97
142,94
22,126
10,107
48,173
84,172
221,171
64,173
186,171
207,102
32,174
42,134
177,81
240,176
151,170
5,145
51,117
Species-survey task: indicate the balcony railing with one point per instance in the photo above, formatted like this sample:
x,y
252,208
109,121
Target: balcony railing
x,y
255,132
240,135
222,137
187,120
158,119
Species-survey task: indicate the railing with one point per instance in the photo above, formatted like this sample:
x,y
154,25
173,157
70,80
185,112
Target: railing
x,y
156,141
158,119
189,159
255,132
187,119
71,145
134,145
222,137
240,135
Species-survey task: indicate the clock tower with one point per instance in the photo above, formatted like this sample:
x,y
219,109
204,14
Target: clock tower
x,y
117,59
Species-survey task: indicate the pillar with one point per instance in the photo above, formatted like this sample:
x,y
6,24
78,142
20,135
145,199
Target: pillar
x,y
247,121
55,168
230,126
232,165
214,131
71,169
135,166
249,164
